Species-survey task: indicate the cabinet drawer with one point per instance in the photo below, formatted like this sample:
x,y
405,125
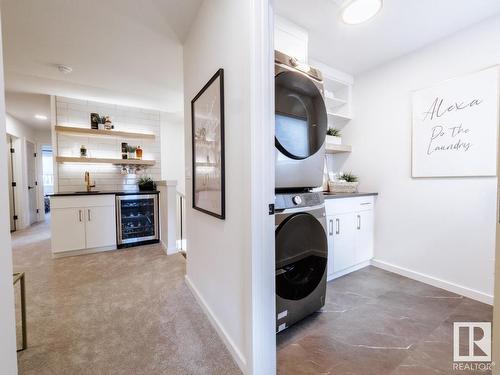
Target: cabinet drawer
x,y
85,201
345,205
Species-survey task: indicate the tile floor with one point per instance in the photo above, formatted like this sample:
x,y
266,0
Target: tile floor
x,y
378,323
120,312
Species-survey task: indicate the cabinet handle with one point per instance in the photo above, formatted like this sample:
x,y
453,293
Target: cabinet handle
x,y
337,226
88,211
359,222
330,227
80,215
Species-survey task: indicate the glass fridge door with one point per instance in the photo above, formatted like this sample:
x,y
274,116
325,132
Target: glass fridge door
x,y
138,216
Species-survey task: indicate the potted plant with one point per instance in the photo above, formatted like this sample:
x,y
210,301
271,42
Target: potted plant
x,y
146,183
333,136
131,151
345,183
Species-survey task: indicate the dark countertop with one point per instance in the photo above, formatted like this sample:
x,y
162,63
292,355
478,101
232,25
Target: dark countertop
x,y
103,192
346,195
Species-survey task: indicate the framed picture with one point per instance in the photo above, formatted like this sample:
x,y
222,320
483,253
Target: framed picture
x,y
455,127
207,121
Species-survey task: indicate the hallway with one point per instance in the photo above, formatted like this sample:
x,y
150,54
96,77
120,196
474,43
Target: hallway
x,y
119,312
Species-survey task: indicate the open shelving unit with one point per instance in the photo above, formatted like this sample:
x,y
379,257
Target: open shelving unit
x,y
109,133
75,159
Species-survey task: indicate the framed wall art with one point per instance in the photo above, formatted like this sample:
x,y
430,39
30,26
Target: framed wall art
x,y
207,121
455,127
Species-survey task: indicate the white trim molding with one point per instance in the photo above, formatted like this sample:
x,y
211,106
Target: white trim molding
x,y
434,281
237,355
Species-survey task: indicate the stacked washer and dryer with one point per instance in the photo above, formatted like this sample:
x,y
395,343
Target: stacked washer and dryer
x,y
301,122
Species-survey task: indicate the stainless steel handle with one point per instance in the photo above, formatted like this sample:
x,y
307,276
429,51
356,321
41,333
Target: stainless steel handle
x,y
88,211
337,226
80,215
330,227
359,222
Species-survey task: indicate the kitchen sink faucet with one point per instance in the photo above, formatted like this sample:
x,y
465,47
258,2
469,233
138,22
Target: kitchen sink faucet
x,y
87,182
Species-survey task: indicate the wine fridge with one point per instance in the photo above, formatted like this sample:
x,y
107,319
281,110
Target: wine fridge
x,y
137,219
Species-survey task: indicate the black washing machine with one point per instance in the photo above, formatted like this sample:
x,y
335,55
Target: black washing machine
x,y
301,256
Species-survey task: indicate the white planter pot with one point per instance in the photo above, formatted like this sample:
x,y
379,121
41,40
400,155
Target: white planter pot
x,y
331,140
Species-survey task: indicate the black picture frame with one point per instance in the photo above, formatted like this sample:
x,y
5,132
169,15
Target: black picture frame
x,y
211,149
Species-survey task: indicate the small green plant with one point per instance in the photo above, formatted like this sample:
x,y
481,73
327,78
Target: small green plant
x,y
348,177
131,149
333,132
146,183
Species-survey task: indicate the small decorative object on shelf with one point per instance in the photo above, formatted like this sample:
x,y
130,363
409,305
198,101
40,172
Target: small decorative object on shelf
x,y
138,153
108,123
124,150
146,183
346,183
131,151
83,151
333,136
95,119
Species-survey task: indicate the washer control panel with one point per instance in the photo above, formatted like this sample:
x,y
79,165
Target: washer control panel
x,y
296,200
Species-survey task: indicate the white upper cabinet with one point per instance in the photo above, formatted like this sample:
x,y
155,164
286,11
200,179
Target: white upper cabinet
x,y
290,39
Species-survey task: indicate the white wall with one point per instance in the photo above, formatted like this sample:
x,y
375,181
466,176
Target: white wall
x,y
222,253
8,356
172,149
76,112
441,230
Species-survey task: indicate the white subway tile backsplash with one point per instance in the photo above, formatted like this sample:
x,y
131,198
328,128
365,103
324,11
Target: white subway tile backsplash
x,y
75,112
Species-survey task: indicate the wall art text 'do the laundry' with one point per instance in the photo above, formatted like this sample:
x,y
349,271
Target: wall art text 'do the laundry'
x,y
455,127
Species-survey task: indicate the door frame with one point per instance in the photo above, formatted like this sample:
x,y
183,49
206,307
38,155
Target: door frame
x,y
27,158
12,190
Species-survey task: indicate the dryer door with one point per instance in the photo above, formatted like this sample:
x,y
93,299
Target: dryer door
x,y
300,114
301,256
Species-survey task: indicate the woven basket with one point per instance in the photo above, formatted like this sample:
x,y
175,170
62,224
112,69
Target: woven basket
x,y
339,186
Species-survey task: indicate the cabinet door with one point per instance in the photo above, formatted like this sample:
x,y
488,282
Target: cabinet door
x,y
344,232
100,226
364,236
68,229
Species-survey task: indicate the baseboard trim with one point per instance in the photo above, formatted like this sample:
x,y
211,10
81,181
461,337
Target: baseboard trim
x,y
71,253
357,267
235,352
439,283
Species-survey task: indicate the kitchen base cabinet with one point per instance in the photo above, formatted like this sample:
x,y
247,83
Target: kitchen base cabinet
x,y
83,224
350,234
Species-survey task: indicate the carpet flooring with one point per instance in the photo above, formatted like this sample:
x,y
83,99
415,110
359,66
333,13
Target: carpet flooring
x,y
119,312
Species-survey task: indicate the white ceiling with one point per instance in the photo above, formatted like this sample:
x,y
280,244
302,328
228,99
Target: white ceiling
x,y
122,51
24,107
401,26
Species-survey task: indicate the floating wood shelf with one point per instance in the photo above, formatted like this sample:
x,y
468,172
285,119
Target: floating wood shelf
x,y
336,149
111,133
73,159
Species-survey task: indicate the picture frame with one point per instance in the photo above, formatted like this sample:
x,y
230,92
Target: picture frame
x,y
207,146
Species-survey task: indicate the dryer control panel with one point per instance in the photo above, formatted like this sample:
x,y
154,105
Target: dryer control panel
x,y
296,200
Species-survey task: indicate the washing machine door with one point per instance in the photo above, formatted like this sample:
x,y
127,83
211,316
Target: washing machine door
x,y
300,115
301,256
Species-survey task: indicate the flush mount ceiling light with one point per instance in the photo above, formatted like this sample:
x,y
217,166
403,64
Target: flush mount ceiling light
x,y
41,117
65,69
359,11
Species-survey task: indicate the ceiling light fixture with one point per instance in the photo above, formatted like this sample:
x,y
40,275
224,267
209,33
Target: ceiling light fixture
x,y
41,117
359,11
65,69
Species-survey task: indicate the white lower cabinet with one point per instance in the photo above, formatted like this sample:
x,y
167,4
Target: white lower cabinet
x,y
70,233
350,234
80,223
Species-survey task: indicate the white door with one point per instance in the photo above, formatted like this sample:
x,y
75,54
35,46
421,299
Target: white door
x,y
68,229
364,236
100,226
31,171
344,233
